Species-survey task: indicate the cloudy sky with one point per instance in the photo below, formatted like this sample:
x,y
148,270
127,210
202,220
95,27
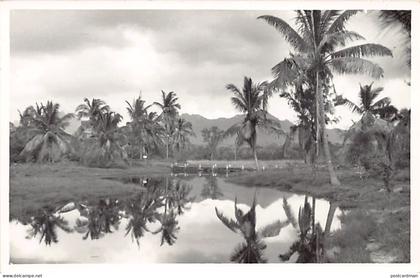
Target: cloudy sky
x,y
113,55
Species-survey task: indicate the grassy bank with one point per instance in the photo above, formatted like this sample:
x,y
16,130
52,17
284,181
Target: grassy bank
x,y
377,227
34,185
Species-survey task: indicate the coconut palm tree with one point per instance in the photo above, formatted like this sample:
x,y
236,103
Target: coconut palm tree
x,y
169,107
250,101
250,251
213,137
46,223
140,125
369,104
154,133
92,110
46,130
182,131
319,42
105,148
107,129
301,101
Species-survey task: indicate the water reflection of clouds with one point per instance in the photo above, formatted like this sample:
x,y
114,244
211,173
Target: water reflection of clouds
x,y
202,237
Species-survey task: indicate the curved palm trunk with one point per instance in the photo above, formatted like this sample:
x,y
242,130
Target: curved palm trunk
x,y
330,217
319,98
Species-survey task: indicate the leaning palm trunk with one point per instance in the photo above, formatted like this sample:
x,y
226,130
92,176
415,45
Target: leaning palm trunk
x,y
331,212
320,100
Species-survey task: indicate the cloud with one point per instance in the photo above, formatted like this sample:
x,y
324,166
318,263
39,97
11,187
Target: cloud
x,y
71,54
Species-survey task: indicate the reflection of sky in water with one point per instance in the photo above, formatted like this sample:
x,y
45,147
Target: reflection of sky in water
x,y
201,238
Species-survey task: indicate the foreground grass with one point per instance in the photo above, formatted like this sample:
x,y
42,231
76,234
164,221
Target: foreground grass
x,y
376,226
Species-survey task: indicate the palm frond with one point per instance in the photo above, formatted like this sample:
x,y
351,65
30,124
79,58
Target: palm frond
x,y
287,31
233,130
354,65
340,21
354,107
285,72
230,223
339,38
363,50
239,104
249,252
288,211
273,229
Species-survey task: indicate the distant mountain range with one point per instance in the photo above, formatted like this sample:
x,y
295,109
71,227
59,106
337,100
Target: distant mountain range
x,y
264,139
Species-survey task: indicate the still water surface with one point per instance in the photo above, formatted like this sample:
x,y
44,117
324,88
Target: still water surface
x,y
194,233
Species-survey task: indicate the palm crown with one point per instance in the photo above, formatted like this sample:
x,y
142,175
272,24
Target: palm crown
x,y
368,102
92,110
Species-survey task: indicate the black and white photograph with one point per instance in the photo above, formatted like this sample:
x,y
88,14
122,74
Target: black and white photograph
x,y
222,135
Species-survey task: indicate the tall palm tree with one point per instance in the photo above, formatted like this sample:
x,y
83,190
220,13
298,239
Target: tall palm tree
x,y
369,104
169,107
319,42
45,129
140,125
154,133
212,136
92,110
250,101
107,147
182,131
46,223
250,251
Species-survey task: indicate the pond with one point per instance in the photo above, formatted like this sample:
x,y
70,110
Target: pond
x,y
174,219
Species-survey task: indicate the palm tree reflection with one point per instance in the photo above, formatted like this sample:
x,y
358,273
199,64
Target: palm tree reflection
x,y
99,219
310,245
178,197
175,196
45,223
250,251
211,189
169,227
142,210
